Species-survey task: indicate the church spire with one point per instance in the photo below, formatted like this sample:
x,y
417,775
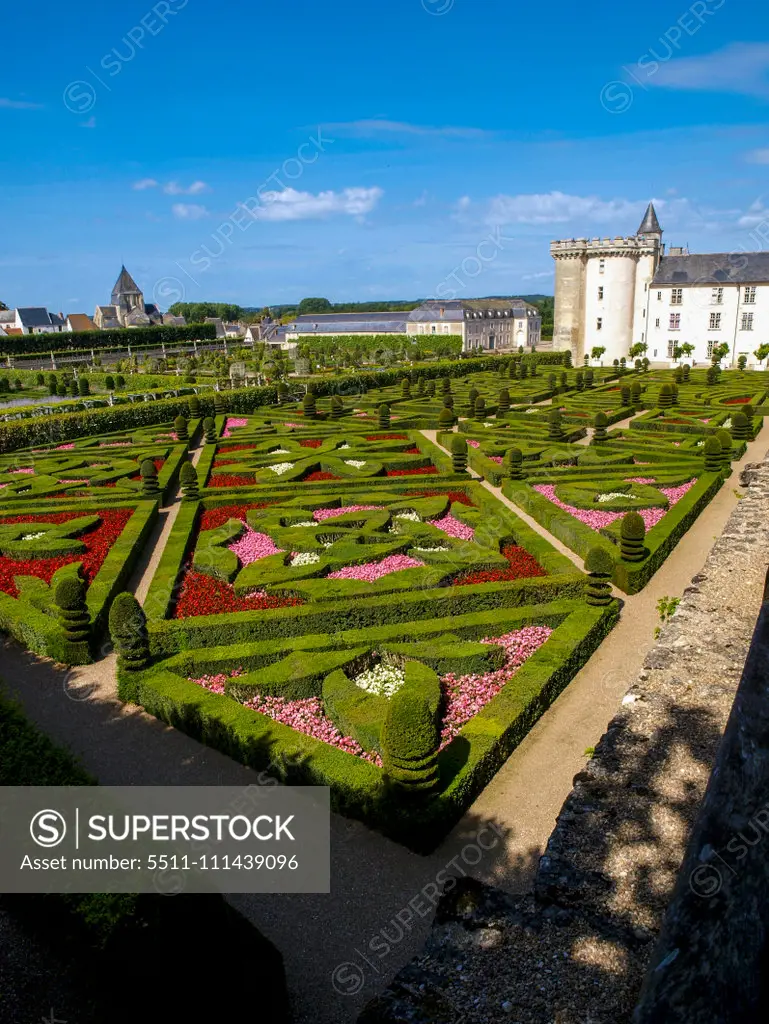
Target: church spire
x,y
650,225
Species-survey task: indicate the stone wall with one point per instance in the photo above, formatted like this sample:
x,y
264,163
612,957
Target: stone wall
x,y
576,950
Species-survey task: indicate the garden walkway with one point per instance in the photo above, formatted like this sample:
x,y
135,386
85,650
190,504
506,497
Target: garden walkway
x,y
371,924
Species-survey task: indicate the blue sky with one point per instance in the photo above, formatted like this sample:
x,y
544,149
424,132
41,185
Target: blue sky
x,y
356,149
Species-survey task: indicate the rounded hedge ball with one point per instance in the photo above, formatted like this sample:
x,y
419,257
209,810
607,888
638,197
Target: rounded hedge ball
x,y
70,594
633,526
599,561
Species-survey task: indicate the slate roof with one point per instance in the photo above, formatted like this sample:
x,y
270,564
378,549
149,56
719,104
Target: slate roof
x,y
34,316
650,225
320,318
714,268
125,284
351,323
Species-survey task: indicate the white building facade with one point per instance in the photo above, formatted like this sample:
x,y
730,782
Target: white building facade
x,y
617,293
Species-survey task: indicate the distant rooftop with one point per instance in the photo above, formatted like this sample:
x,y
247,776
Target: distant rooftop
x,y
714,268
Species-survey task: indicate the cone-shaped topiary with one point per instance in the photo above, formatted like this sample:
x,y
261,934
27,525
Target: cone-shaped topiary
x,y
458,454
71,610
533,367
564,380
674,394
600,565
448,401
678,375
724,438
512,373
446,419
479,408
406,388
632,533
471,397
180,426
512,464
523,371
555,430
194,407
420,387
580,380
446,385
431,389
149,475
503,404
220,406
740,427
624,396
384,416
308,406
635,394
209,429
685,371
711,377
665,399
589,378
551,381
599,427
410,740
188,478
128,629
713,455
337,409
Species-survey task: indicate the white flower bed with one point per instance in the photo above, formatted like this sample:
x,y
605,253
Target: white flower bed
x,y
343,446
382,680
282,467
438,547
310,522
413,517
279,451
305,558
33,536
611,495
354,462
726,424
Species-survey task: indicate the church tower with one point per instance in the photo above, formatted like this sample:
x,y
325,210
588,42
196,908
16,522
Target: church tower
x,y
601,289
127,297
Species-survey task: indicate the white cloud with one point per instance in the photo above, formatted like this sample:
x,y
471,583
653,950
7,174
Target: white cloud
x,y
758,156
292,205
741,68
380,126
554,208
757,214
19,104
537,277
173,188
189,211
139,186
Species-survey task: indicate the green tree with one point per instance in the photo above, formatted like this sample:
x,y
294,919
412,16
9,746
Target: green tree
x,y
308,306
596,352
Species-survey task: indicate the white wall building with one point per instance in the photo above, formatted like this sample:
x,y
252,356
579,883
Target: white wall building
x,y
615,293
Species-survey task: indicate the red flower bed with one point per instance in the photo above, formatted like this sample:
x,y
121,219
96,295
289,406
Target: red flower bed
x,y
204,595
387,437
736,401
522,565
319,475
459,496
97,542
218,463
213,517
227,448
412,451
313,443
230,480
422,471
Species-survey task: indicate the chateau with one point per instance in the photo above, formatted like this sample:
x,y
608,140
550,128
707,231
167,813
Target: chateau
x,y
616,293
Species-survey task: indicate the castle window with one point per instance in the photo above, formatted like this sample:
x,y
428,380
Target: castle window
x,y
671,349
675,322
676,296
659,296
601,266
710,348
599,324
747,322
657,322
715,322
717,296
749,296
600,293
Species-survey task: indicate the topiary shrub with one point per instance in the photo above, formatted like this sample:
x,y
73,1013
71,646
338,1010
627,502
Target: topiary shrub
x,y
713,455
384,416
337,409
282,393
61,391
479,408
448,401
635,394
119,381
458,454
625,396
579,380
83,386
446,386
523,371
686,371
53,384
711,377
72,388
446,419
309,406
503,404
128,630
512,373
71,611
552,383
564,380
180,428
512,464
724,438
406,388
742,362
410,740
632,533
665,399
194,407
600,565
40,380
472,394
188,478
589,378
430,389
420,387
674,394
220,406
149,475
555,430
209,430
599,426
740,427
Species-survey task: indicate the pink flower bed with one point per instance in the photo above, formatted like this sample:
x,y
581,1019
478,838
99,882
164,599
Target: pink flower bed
x,y
473,444
640,480
295,426
448,524
73,481
232,424
253,546
597,520
307,716
373,571
637,462
466,695
173,436
65,447
115,444
331,513
24,469
496,458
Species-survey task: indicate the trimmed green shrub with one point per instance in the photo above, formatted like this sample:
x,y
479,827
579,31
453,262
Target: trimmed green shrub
x,y
72,388
71,610
632,535
458,454
337,408
555,430
384,416
446,385
431,388
220,406
724,438
665,399
686,371
524,371
599,426
600,565
209,429
194,406
446,420
512,464
410,740
512,373
625,396
479,408
503,404
635,392
740,427
472,394
713,455
589,378
282,392
109,382
128,630
742,362
119,381
406,388
711,377
188,478
448,401
580,380
309,406
83,386
149,475
53,384
180,427
40,380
